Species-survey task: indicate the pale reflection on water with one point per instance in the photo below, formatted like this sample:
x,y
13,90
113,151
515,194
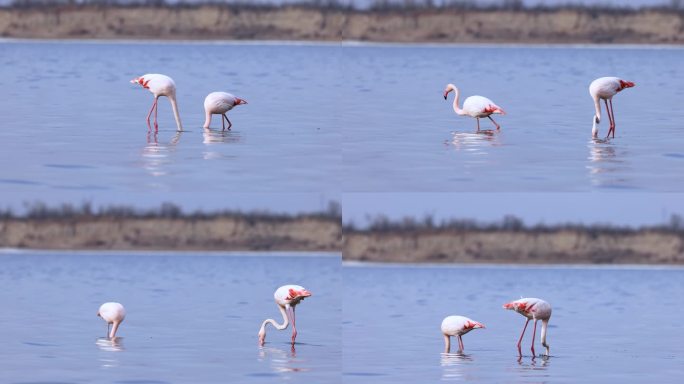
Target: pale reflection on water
x,y
106,345
157,157
474,142
282,360
606,165
454,366
212,137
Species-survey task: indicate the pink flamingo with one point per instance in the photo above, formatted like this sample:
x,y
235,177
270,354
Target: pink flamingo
x,y
160,85
532,309
113,314
457,326
475,106
286,297
218,103
605,88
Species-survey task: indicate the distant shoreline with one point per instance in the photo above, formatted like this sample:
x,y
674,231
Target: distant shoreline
x,y
309,23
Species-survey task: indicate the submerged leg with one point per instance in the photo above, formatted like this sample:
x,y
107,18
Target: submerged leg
x,y
478,123
610,119
108,329
521,337
497,125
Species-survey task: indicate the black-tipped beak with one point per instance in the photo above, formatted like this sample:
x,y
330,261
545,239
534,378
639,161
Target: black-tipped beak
x,y
445,97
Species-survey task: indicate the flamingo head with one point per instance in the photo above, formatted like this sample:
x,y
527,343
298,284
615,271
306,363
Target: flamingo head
x,y
594,128
239,101
625,84
297,295
474,325
98,314
262,337
449,88
515,306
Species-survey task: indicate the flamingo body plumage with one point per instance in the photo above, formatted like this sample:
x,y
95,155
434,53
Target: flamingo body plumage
x,y
160,85
474,106
604,88
457,326
286,297
218,103
533,309
113,314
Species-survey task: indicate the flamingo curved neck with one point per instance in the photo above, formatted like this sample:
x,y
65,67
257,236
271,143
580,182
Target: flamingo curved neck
x,y
280,327
207,120
174,106
457,109
115,327
597,117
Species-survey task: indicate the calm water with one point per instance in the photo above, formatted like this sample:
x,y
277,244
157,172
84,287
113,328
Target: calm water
x,y
191,318
608,325
400,134
73,127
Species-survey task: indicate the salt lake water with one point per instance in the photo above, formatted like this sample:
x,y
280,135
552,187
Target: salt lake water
x,y
401,135
609,325
192,317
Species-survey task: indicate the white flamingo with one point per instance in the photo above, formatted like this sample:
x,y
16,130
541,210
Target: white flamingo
x,y
605,88
286,297
160,85
218,103
532,309
457,326
474,106
113,314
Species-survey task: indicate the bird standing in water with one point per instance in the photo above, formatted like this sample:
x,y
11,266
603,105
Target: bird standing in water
x,y
218,103
532,309
160,85
286,297
113,314
605,88
474,106
457,326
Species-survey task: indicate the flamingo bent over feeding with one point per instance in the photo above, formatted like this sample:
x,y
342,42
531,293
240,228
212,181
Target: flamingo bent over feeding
x,y
532,309
218,103
113,314
605,88
286,297
475,106
160,85
457,326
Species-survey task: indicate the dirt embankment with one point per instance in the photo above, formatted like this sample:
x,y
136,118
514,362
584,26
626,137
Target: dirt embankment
x,y
310,23
220,234
529,246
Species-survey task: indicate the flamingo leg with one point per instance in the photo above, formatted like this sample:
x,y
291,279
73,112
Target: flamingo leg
x,y
154,104
610,119
156,109
534,333
460,343
294,325
497,125
108,330
612,114
223,123
521,337
478,123
229,123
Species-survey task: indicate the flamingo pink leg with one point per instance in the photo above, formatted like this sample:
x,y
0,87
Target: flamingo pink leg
x,y
460,343
154,105
534,332
521,337
497,125
229,123
610,119
223,123
294,325
612,114
478,123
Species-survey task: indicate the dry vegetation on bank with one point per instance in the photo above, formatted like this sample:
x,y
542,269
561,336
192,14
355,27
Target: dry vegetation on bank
x,y
462,22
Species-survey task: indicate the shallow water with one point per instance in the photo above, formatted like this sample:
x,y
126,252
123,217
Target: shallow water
x,y
191,318
608,324
73,127
400,134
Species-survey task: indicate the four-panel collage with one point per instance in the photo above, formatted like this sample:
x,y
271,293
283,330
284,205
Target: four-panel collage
x,y
341,191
